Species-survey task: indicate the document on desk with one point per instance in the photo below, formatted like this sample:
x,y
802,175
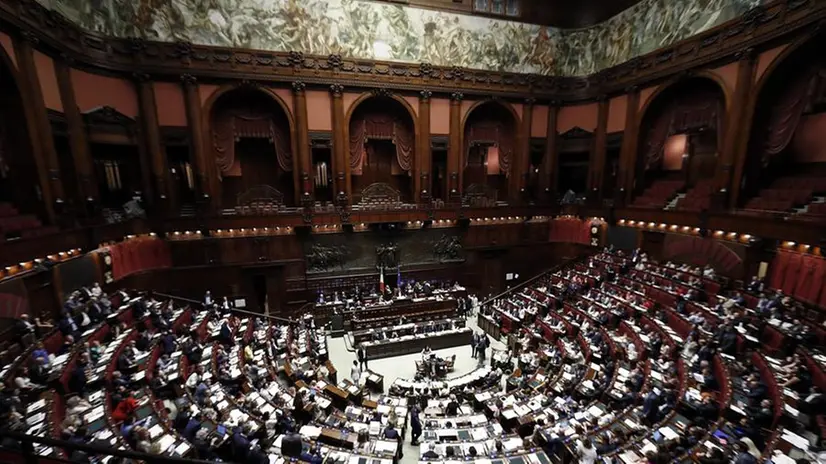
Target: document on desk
x,y
165,442
310,431
37,405
156,431
781,458
630,457
182,448
35,419
795,440
386,446
669,433
595,411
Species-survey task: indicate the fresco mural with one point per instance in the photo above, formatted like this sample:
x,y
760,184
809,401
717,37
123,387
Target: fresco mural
x,y
369,30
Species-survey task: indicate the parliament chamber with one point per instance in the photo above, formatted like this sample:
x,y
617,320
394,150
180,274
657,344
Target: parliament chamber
x,y
433,231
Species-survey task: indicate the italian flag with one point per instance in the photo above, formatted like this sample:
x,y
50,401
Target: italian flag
x,y
381,279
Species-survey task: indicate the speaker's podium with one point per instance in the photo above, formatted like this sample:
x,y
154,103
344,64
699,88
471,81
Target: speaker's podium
x,y
336,325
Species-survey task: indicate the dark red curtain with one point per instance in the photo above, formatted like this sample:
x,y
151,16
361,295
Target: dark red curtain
x,y
802,276
13,299
686,113
491,133
140,254
231,125
784,115
380,127
570,230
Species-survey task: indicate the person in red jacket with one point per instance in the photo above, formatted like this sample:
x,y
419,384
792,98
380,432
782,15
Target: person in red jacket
x,y
125,408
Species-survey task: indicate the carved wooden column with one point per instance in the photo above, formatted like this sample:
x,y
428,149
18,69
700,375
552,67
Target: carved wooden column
x,y
550,162
151,132
521,175
39,129
454,153
737,131
87,188
339,143
197,141
302,134
628,151
597,164
421,180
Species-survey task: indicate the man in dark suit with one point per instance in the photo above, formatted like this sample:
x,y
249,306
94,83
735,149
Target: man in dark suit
x,y
77,380
814,404
756,391
431,452
226,332
168,343
390,432
761,416
192,427
240,445
68,326
362,355
650,407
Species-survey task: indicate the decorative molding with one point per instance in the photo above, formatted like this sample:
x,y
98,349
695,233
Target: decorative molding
x,y
334,61
107,115
746,54
141,77
337,90
439,142
576,132
30,37
457,96
295,58
425,95
426,69
248,84
530,101
382,92
189,80
759,29
299,86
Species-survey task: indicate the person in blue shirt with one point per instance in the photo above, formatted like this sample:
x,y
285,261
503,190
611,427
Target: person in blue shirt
x,y
415,426
68,326
240,445
192,427
168,343
201,391
40,353
390,432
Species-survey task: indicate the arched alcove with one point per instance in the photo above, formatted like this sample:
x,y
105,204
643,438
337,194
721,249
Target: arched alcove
x,y
787,141
681,133
382,150
250,137
488,152
19,183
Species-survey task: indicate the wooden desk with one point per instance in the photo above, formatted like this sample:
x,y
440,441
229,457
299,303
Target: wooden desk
x,y
489,326
390,314
401,346
338,438
339,397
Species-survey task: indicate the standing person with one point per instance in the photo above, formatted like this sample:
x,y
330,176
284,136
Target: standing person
x,y
483,344
362,355
355,372
474,342
415,426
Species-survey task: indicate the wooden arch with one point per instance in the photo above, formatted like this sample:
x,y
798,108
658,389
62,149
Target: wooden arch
x,y
414,120
206,115
514,178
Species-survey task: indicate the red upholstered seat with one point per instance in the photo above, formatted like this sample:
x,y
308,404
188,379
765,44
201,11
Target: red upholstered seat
x,y
658,194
